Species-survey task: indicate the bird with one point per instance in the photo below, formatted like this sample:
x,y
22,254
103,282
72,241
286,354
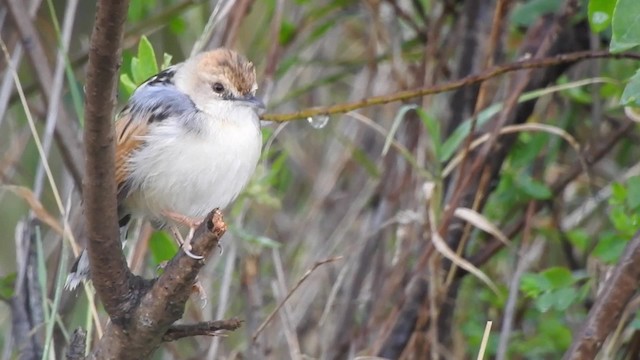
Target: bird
x,y
187,142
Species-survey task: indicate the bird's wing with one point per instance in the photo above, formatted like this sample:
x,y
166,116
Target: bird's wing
x,y
130,131
154,103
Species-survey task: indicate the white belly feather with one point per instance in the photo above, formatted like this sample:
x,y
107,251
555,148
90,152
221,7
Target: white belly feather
x,y
193,173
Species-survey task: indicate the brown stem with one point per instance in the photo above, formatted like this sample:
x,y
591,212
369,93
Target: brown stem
x,y
206,328
109,270
605,314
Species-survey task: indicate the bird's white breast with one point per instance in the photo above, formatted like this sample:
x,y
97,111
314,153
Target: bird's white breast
x,y
193,172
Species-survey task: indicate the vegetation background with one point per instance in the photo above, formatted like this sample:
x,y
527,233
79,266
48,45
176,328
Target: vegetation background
x,y
386,231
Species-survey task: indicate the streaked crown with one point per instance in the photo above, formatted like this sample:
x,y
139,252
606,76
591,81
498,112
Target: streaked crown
x,y
230,66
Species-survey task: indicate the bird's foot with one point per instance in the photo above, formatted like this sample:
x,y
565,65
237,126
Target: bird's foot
x,y
185,244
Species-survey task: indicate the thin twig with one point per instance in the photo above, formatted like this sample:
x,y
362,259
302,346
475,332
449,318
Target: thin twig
x,y
206,328
449,86
302,279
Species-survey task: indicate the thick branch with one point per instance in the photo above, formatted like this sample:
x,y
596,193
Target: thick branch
x,y
206,328
605,314
77,345
109,270
163,303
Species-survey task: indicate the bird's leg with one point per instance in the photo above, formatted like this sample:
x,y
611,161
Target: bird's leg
x,y
192,224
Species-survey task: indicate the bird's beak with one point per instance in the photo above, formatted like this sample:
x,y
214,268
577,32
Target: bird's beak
x,y
253,102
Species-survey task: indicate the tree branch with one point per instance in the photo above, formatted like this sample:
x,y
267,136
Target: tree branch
x,y
448,86
77,345
109,270
206,328
605,314
153,313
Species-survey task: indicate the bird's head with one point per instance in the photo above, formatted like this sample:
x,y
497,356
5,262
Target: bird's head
x,y
220,80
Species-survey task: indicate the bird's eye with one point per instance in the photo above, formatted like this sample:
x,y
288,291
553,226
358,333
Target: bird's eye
x,y
218,88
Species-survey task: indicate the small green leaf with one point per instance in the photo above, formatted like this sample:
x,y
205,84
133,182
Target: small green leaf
x,y
127,84
618,194
527,149
625,25
136,71
564,298
177,25
579,238
545,302
532,187
166,60
609,248
631,93
622,220
162,246
533,284
600,14
287,32
144,66
7,285
530,11
559,277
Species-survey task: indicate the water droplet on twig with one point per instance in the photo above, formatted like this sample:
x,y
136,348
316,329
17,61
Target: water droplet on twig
x,y
318,122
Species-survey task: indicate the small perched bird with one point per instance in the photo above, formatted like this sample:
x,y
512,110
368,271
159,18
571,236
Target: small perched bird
x,y
187,142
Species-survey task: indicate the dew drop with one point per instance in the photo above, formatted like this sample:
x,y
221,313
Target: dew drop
x,y
319,121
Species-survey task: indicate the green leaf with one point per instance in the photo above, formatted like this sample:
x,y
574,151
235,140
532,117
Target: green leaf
x,y
600,14
529,12
166,60
633,198
545,302
177,25
527,148
7,285
618,194
532,187
162,246
625,25
144,66
559,277
287,32
579,238
609,248
623,221
564,298
533,284
127,84
631,93
559,299
136,71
